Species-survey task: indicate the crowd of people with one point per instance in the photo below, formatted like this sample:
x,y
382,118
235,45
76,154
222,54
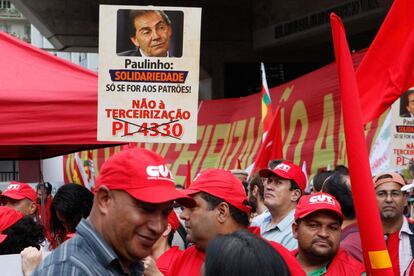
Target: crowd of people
x,y
136,222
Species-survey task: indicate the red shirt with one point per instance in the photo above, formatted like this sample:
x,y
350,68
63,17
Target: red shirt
x,y
168,258
393,244
188,264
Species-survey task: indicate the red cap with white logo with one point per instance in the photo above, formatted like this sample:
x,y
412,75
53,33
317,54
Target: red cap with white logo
x,y
144,175
287,170
19,191
222,184
309,204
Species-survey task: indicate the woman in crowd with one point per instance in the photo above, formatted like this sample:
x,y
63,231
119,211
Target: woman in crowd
x,y
71,203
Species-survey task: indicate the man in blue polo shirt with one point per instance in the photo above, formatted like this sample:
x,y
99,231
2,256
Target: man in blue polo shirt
x,y
134,196
283,186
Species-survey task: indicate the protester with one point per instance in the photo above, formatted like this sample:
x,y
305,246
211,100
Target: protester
x,y
317,228
20,196
71,203
339,186
134,196
18,231
221,208
255,193
397,231
242,254
283,186
44,191
163,254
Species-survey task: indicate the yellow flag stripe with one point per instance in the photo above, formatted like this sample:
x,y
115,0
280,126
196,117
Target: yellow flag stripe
x,y
379,259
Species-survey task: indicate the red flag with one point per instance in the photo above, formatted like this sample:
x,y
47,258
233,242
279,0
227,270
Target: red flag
x,y
387,69
188,177
377,260
271,147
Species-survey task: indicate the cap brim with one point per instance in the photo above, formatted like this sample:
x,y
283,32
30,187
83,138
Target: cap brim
x,y
190,192
13,196
161,194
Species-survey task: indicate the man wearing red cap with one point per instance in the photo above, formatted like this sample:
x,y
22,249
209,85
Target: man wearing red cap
x,y
397,233
283,186
134,195
20,196
221,208
317,228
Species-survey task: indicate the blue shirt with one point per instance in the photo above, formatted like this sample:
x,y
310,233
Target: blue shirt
x,y
87,253
281,232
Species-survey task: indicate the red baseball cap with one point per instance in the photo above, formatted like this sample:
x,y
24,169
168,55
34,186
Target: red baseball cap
x,y
144,175
222,184
8,217
287,170
309,204
391,177
19,191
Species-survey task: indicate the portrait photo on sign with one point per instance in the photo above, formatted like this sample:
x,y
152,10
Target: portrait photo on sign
x,y
407,104
149,33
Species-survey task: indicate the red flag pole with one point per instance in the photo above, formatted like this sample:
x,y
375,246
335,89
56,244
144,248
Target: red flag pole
x,y
188,177
376,257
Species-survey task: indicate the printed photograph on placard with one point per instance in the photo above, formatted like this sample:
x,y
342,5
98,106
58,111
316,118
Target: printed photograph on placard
x,y
149,33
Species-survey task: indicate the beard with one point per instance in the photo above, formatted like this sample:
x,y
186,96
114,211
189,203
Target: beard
x,y
318,254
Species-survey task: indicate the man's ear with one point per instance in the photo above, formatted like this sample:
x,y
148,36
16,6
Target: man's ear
x,y
255,191
295,230
167,231
103,197
296,193
33,208
134,41
223,212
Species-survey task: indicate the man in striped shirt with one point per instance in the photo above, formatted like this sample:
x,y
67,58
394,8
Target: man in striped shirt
x,y
134,195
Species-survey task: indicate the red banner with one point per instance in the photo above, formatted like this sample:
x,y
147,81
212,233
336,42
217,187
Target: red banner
x,y
230,129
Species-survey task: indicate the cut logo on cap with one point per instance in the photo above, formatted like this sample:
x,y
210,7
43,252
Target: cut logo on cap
x,y
321,199
283,167
159,172
13,187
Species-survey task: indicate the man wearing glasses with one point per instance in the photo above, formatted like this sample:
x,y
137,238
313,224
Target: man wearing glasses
x,y
397,233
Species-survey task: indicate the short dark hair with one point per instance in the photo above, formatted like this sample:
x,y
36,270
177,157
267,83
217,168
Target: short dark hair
x,y
24,233
319,179
342,169
242,254
336,185
239,216
137,13
72,201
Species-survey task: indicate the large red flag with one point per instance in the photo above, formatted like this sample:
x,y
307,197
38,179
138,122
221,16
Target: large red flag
x,y
271,147
387,69
377,260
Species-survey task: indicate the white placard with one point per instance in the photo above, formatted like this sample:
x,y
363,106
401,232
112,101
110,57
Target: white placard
x,y
402,131
148,74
